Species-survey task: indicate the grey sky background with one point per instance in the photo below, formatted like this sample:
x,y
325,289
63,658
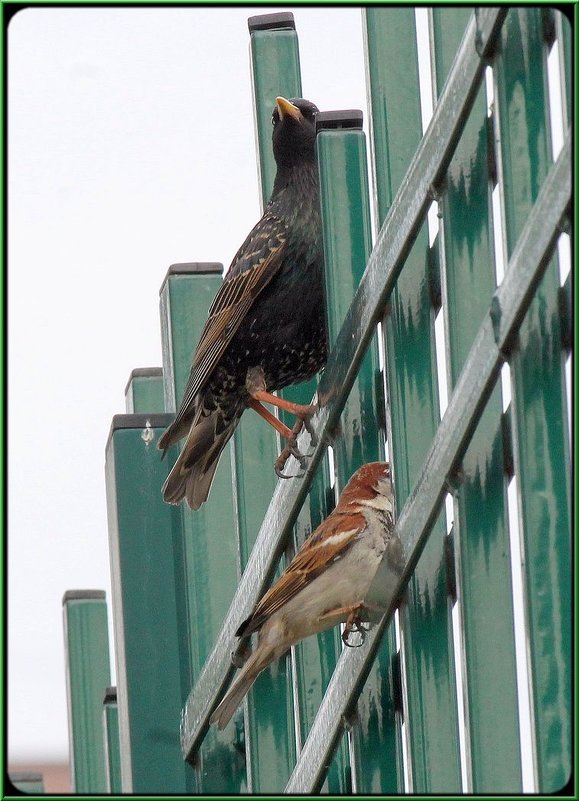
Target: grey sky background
x,y
131,146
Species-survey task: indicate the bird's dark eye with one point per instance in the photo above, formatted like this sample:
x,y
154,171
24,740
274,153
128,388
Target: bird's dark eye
x,y
309,113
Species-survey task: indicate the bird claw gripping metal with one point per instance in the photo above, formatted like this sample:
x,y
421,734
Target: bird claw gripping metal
x,y
291,449
353,625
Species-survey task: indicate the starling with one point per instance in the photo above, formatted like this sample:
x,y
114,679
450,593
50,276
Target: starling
x,y
266,325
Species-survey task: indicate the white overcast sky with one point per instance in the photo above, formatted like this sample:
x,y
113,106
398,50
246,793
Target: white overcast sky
x,y
131,147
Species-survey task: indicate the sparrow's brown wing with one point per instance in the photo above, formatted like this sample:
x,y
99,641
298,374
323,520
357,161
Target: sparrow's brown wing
x,y
328,542
255,264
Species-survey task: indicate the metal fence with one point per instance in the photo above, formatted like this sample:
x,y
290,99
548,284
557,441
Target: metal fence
x,y
437,699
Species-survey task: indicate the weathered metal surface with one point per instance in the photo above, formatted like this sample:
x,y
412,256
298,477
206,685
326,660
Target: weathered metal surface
x,y
430,708
472,390
481,531
540,438
393,100
383,267
86,643
341,149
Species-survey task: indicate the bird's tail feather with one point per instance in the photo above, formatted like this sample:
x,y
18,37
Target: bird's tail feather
x,y
174,433
258,661
193,472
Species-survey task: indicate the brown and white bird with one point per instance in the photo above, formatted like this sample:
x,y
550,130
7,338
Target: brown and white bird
x,y
325,583
266,325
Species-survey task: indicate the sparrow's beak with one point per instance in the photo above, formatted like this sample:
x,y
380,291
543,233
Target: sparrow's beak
x,y
287,109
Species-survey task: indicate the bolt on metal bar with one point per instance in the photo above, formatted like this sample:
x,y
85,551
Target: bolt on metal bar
x,y
482,367
385,263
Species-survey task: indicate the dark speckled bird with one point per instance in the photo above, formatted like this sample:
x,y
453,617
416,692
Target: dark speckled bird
x,y
266,325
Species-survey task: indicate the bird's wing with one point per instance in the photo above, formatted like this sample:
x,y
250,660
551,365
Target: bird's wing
x,y
254,265
327,544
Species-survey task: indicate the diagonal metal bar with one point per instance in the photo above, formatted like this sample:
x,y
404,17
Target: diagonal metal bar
x,y
478,377
394,241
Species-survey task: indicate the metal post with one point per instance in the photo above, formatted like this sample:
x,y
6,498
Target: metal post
x,y
541,452
345,202
275,61
564,34
152,663
269,736
86,645
207,565
144,391
481,528
111,740
430,703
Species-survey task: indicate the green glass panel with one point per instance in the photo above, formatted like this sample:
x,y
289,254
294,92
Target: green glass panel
x,y
86,642
152,672
431,716
481,532
144,392
208,548
347,246
541,452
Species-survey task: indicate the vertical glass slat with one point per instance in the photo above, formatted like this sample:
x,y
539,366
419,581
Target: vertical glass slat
x,y
431,716
481,529
541,452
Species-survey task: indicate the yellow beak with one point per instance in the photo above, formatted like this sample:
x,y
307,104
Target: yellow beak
x,y
286,108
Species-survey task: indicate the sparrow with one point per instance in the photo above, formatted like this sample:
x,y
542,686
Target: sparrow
x,y
266,325
325,583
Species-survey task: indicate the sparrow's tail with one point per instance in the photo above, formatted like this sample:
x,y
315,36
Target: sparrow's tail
x,y
193,472
263,656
